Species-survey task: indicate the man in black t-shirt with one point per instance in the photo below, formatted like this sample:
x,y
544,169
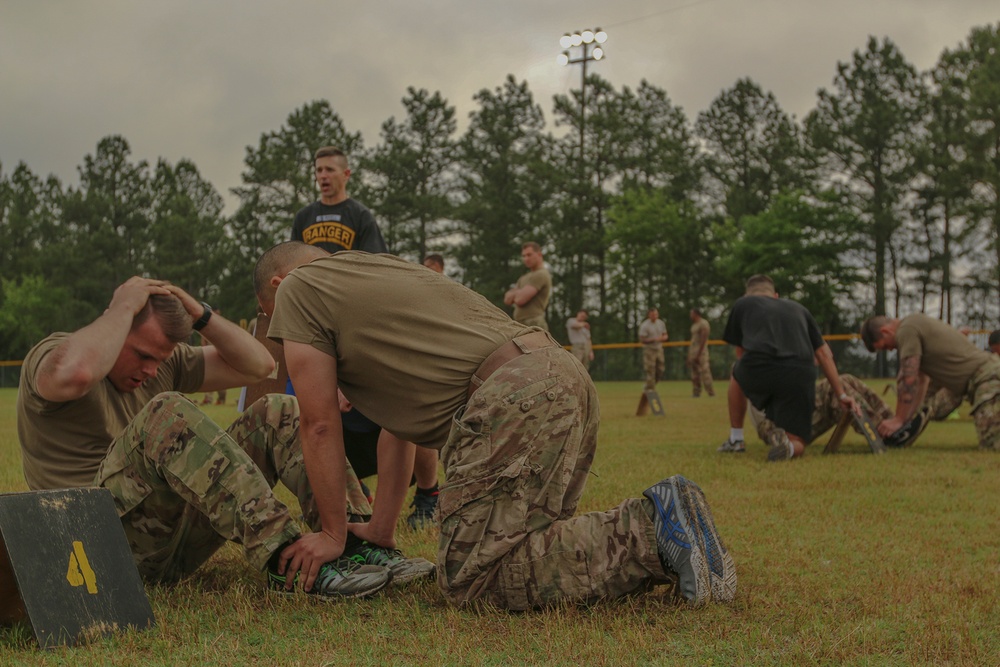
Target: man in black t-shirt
x,y
336,222
778,345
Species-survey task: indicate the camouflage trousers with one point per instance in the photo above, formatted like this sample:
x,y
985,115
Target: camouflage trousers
x,y
582,352
827,410
941,402
984,395
538,321
701,374
652,365
516,462
183,485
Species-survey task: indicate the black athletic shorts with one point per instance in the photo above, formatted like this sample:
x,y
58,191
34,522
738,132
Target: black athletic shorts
x,y
361,449
784,391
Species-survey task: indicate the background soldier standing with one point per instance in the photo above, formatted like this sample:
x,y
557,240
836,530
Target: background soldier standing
x,y
697,359
652,335
578,330
530,296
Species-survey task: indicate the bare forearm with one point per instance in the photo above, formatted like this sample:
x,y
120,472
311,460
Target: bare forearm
x,y
395,468
911,387
89,354
522,295
243,357
86,357
824,357
326,469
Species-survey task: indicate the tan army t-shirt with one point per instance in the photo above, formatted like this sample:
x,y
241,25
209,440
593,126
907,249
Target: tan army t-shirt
x,y
406,339
541,281
699,334
946,355
63,444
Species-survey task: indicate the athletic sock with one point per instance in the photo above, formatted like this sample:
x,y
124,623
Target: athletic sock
x,y
735,434
433,491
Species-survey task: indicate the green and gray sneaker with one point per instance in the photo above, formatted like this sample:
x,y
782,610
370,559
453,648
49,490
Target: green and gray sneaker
x,y
346,577
403,569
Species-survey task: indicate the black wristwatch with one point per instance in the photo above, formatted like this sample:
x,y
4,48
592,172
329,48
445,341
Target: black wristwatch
x,y
206,315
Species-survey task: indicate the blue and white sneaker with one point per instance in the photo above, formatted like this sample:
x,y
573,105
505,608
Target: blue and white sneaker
x,y
688,544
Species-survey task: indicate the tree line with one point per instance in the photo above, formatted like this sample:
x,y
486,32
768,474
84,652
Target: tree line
x,y
885,198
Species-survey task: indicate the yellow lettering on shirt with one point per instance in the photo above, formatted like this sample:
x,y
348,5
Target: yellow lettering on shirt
x,y
329,232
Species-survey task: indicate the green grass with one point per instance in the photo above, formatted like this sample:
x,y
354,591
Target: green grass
x,y
850,559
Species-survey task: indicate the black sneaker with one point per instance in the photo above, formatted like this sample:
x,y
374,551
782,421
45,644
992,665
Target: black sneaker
x,y
688,543
905,436
403,569
423,506
346,577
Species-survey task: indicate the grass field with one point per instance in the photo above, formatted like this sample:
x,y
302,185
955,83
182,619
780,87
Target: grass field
x,y
849,559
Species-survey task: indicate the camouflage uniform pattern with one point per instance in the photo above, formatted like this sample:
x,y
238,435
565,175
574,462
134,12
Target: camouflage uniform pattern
x,y
827,410
701,374
941,402
516,462
582,354
183,485
984,395
652,365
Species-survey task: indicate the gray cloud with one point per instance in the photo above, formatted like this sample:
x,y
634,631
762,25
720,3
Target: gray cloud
x,y
204,80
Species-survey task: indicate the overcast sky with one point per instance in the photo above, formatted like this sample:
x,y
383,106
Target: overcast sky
x,y
203,80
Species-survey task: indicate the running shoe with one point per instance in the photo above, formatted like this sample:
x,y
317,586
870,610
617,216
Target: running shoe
x,y
782,448
732,446
688,543
345,577
908,433
403,569
423,506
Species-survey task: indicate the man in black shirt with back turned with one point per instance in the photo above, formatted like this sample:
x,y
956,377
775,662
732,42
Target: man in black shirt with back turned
x,y
336,222
778,345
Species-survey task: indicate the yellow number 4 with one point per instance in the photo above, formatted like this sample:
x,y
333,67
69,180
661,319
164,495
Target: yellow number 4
x,y
80,572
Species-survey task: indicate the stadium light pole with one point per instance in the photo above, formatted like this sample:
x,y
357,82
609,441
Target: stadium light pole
x,y
591,43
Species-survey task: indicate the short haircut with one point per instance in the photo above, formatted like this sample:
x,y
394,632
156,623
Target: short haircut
x,y
330,151
871,331
531,244
169,312
759,282
696,311
434,257
279,260
994,338
651,309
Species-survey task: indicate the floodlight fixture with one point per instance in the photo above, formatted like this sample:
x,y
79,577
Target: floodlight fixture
x,y
589,41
